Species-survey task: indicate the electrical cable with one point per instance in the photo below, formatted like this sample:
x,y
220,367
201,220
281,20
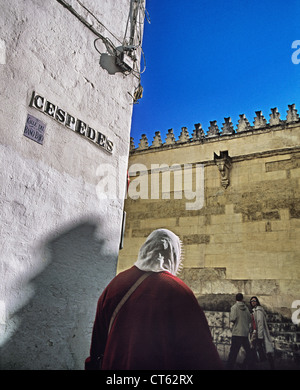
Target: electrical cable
x,y
91,13
81,19
108,44
147,15
110,47
124,41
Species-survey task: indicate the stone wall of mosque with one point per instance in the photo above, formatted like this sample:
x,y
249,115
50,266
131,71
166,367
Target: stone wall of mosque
x,y
233,197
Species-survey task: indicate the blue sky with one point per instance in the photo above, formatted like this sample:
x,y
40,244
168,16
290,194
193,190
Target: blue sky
x,y
210,59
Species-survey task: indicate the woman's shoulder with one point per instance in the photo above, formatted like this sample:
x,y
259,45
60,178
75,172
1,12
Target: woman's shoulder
x,y
174,284
260,309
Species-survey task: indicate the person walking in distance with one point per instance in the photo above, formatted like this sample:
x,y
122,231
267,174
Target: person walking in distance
x,y
241,319
261,338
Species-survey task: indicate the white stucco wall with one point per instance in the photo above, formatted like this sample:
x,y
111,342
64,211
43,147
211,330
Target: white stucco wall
x,y
59,239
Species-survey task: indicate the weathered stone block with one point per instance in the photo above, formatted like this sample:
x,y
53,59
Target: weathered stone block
x,y
214,318
196,239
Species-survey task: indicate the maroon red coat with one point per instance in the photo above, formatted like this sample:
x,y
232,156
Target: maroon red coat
x,y
161,326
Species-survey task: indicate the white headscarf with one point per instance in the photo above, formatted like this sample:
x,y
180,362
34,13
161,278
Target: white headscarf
x,y
160,252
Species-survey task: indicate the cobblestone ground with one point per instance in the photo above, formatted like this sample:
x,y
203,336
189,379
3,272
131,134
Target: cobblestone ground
x,y
279,365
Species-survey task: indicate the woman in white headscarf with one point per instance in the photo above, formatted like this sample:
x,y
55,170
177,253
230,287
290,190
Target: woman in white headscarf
x,y
160,252
160,324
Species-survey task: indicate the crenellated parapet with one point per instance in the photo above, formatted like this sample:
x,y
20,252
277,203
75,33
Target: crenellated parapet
x,y
214,132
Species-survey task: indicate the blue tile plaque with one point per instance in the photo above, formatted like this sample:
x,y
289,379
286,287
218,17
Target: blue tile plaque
x,y
34,129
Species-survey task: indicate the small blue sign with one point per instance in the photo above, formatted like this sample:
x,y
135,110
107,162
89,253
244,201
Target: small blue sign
x,y
35,129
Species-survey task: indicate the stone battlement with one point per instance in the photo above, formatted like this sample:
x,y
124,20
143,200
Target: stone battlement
x,y
214,133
